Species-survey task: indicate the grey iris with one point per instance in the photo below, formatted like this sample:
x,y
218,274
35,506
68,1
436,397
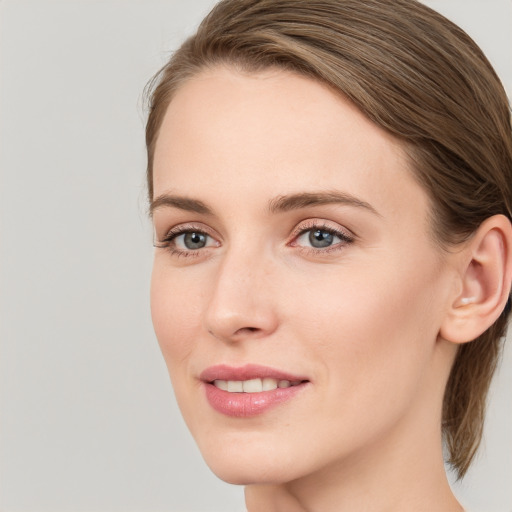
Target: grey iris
x,y
194,240
320,238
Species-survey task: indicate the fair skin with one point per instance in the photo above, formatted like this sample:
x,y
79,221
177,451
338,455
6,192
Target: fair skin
x,y
340,283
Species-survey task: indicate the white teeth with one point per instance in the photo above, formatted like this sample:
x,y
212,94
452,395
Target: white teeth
x,y
269,384
253,385
235,386
221,384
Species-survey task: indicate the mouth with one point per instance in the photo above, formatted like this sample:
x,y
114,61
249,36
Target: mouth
x,y
257,385
249,390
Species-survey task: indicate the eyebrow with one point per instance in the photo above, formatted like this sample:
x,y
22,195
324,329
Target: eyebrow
x,y
279,204
182,203
305,199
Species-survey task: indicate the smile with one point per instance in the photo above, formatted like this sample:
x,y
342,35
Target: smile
x,y
251,390
253,385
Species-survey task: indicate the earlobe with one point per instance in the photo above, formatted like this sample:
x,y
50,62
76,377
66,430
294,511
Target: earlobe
x,y
486,275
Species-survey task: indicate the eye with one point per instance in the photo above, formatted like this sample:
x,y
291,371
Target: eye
x,y
191,240
321,238
186,241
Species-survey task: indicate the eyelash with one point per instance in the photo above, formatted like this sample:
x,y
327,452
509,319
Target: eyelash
x,y
168,242
344,236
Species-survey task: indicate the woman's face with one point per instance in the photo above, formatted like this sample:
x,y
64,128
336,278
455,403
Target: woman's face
x,y
293,250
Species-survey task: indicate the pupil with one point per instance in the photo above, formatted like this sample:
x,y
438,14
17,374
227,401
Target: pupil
x,y
320,238
194,240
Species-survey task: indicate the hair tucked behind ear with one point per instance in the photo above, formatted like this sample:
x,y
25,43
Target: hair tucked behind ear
x,y
418,76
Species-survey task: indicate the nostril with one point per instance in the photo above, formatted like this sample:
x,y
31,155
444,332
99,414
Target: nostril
x,y
241,331
247,329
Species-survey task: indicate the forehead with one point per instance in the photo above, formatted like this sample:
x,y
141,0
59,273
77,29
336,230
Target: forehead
x,y
276,131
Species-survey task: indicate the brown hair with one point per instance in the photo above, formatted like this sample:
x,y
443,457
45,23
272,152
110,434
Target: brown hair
x,y
418,76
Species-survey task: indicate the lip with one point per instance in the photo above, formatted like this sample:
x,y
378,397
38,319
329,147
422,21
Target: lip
x,y
246,405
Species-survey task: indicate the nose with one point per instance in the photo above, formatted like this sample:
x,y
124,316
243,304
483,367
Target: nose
x,y
242,303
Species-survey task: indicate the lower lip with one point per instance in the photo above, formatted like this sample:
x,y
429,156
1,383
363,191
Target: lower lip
x,y
245,405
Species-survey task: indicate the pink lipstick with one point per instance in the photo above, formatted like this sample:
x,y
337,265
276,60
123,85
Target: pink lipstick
x,y
249,390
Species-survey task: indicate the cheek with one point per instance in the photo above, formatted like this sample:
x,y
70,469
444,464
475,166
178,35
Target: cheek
x,y
370,346
374,329
174,312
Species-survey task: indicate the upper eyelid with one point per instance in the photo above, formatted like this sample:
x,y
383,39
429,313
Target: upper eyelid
x,y
328,225
335,232
185,227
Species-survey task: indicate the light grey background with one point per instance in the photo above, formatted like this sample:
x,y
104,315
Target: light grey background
x,y
87,419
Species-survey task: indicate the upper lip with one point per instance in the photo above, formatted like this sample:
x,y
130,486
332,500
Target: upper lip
x,y
246,372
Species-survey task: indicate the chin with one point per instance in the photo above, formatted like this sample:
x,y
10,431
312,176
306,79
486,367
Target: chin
x,y
237,474
244,463
249,472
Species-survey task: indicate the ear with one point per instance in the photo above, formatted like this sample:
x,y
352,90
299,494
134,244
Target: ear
x,y
486,277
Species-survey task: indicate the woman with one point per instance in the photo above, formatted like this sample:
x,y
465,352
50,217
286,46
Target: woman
x,y
330,185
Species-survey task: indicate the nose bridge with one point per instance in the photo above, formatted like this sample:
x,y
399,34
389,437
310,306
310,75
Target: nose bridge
x,y
240,304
